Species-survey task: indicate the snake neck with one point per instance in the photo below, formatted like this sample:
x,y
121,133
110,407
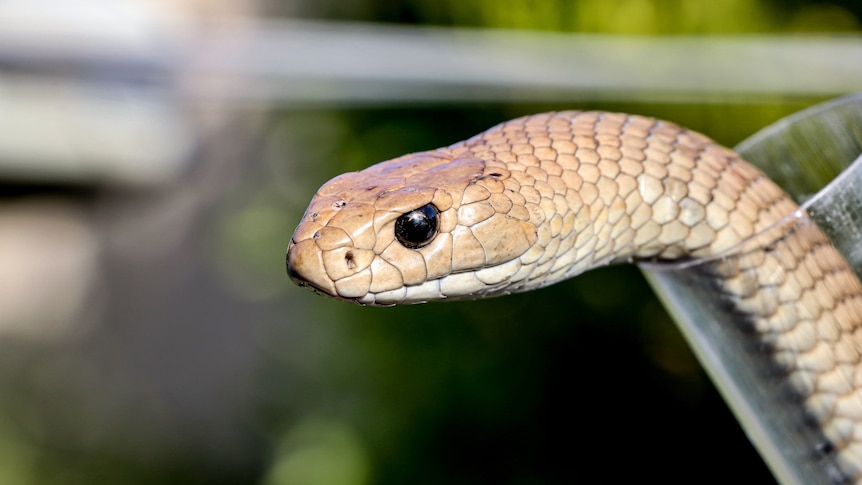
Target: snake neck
x,y
603,188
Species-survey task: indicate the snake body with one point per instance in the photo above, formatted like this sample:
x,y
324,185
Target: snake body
x,y
545,197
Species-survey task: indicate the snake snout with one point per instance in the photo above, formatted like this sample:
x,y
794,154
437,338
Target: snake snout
x,y
291,269
305,266
292,273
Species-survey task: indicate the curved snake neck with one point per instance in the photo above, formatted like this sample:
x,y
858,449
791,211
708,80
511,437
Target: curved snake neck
x,y
542,198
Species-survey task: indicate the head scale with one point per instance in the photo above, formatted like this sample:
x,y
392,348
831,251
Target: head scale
x,y
427,226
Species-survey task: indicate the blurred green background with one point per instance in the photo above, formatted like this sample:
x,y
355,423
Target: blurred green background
x,y
224,372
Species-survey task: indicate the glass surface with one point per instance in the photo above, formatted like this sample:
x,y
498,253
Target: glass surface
x,y
818,147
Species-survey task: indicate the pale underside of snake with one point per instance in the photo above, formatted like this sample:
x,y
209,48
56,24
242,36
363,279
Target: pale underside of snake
x,y
545,197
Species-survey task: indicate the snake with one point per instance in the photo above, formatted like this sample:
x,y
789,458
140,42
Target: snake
x,y
543,198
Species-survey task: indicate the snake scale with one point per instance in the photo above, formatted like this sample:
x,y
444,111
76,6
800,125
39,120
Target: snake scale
x,y
545,197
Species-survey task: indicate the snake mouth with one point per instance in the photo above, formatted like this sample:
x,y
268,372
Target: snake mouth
x,y
302,283
294,274
293,265
291,273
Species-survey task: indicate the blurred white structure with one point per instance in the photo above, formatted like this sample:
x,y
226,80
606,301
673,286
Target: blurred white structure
x,y
92,89
115,91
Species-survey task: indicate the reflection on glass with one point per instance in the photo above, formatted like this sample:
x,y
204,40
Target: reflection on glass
x,y
752,337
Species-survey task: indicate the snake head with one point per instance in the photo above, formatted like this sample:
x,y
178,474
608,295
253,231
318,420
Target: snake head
x,y
434,225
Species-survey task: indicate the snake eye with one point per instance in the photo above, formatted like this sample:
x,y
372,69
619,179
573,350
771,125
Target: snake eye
x,y
417,228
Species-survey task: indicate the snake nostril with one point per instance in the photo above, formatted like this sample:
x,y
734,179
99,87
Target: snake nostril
x,y
351,262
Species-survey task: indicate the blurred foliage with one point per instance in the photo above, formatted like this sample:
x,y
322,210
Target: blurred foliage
x,y
643,17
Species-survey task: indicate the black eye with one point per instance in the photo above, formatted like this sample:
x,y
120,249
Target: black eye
x,y
417,228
